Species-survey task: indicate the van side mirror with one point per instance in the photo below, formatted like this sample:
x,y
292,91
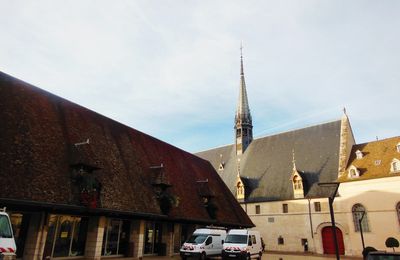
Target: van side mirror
x,y
250,243
222,241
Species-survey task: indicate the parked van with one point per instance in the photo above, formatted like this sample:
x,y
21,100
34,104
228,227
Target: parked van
x,y
7,242
203,243
242,244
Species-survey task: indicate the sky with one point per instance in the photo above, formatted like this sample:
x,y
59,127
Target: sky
x,y
171,69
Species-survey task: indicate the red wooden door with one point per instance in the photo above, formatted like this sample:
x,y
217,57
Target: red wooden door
x,y
328,242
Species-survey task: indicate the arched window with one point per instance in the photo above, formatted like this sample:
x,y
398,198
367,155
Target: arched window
x,y
398,147
398,211
359,212
239,190
359,154
297,183
353,172
395,166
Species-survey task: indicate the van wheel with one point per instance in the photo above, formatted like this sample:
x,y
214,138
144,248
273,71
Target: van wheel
x,y
203,256
259,256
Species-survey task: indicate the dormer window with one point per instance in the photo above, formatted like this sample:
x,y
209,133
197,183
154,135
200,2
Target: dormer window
x,y
359,154
398,147
239,189
298,188
221,166
353,172
297,183
395,166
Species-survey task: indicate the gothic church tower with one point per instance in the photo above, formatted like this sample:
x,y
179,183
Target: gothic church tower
x,y
243,121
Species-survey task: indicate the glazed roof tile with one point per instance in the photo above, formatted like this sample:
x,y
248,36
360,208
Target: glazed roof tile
x,y
39,131
267,163
376,160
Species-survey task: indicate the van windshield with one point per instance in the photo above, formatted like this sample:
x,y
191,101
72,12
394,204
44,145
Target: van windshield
x,y
197,239
236,239
5,228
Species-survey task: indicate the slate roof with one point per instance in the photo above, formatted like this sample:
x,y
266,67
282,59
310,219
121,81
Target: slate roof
x,y
376,160
266,166
38,132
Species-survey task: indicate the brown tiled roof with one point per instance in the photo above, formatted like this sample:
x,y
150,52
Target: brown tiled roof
x,y
376,160
38,132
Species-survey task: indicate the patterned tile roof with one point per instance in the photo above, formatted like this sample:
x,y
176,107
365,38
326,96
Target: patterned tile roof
x,y
376,160
267,165
37,151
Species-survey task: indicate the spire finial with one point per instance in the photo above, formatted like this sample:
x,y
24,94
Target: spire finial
x,y
241,59
344,111
293,160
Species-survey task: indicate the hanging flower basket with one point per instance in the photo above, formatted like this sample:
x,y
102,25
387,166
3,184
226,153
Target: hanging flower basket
x,y
89,198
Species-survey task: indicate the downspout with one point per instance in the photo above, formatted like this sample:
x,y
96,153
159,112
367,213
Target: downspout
x,y
309,215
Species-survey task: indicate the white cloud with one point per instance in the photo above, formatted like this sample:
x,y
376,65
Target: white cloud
x,y
171,68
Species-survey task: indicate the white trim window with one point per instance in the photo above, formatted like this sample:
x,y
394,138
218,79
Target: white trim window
x,y
353,172
359,154
359,212
395,166
398,147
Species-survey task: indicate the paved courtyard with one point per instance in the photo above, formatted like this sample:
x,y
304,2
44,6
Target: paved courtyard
x,y
273,256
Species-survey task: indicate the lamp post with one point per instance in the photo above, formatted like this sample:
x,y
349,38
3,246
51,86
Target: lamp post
x,y
361,229
335,186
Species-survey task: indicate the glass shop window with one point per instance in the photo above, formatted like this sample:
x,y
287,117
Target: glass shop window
x,y
66,236
116,237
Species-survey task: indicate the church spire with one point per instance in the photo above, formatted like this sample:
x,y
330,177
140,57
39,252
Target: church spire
x,y
243,120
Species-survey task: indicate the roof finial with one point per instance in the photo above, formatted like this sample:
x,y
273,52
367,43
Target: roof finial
x,y
241,58
293,160
344,111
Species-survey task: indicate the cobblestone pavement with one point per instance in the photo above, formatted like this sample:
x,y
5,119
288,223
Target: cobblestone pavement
x,y
270,256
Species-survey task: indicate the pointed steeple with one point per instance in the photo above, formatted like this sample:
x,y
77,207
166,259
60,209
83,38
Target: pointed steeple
x,y
346,142
242,110
243,120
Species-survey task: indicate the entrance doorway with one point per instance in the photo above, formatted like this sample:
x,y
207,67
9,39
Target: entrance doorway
x,y
153,239
328,241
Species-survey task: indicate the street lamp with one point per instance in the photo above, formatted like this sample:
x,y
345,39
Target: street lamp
x,y
335,187
361,229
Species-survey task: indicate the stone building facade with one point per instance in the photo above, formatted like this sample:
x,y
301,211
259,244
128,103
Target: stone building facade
x,y
276,180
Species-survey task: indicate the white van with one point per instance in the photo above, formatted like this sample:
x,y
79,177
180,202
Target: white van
x,y
7,242
203,243
242,244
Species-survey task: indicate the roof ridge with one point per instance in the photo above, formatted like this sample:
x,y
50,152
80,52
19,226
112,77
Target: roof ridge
x,y
297,129
274,134
377,141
